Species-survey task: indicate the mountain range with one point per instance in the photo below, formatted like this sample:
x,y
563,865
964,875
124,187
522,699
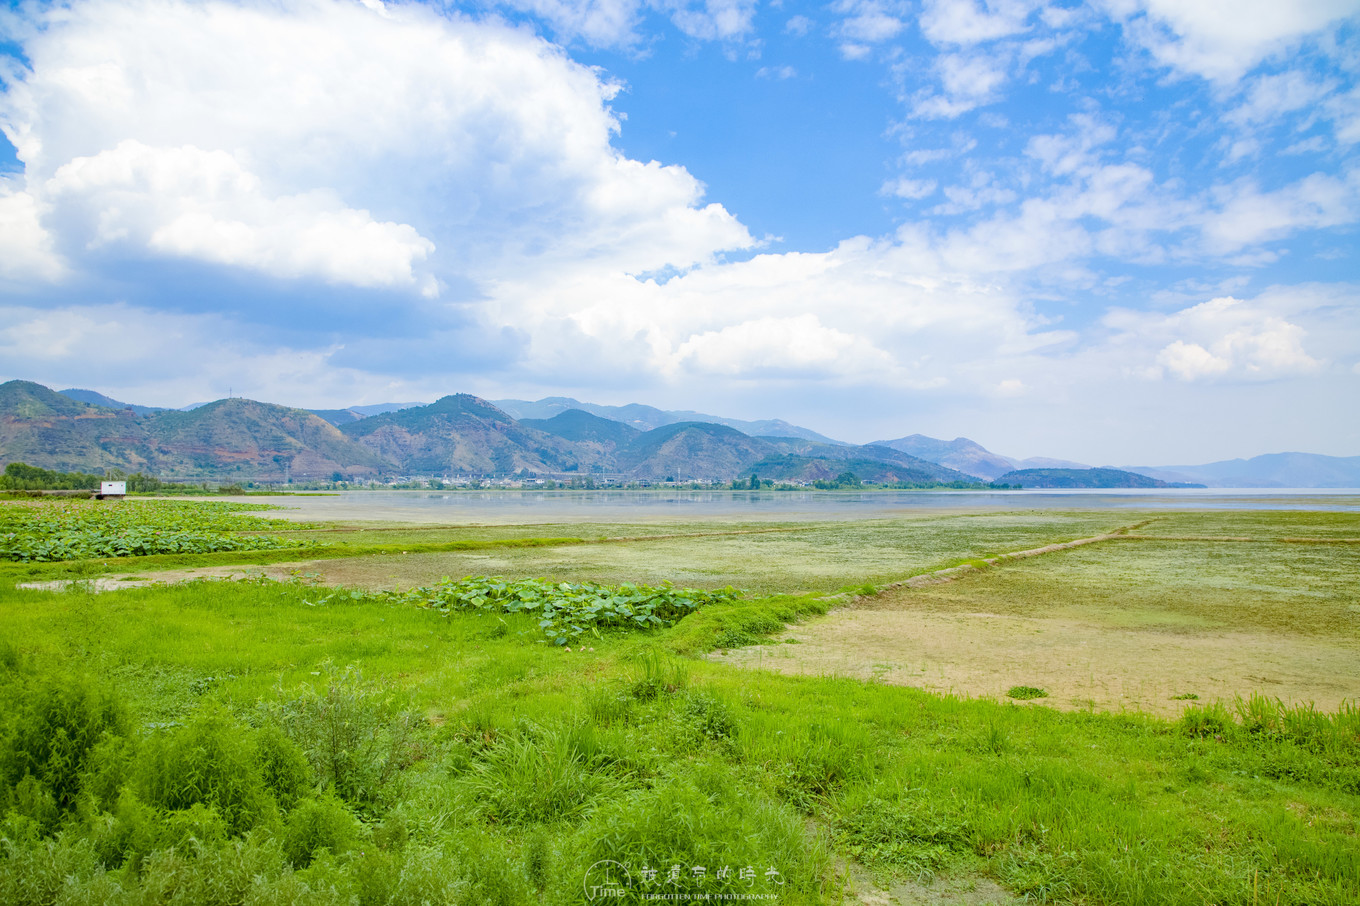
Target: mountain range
x,y
238,439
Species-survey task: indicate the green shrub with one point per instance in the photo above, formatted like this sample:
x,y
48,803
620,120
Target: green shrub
x,y
711,717
193,830
1202,721
283,766
9,657
906,831
354,733
805,761
108,769
744,843
59,723
318,824
33,800
37,872
1026,693
658,675
210,761
541,777
126,834
419,876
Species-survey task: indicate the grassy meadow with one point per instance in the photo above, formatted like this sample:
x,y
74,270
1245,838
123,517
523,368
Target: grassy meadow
x,y
267,741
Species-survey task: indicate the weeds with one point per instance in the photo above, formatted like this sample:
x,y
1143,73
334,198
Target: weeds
x,y
356,735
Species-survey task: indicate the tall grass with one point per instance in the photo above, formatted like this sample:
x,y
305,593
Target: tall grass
x,y
242,743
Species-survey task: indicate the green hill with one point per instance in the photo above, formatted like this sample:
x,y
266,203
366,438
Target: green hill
x,y
462,433
792,467
99,399
46,429
580,426
240,438
691,450
1083,478
233,439
960,453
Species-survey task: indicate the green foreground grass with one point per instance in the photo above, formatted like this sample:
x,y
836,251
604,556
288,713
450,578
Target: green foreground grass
x,y
478,765
260,742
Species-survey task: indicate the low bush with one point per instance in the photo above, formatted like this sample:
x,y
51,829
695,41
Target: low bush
x,y
356,735
56,724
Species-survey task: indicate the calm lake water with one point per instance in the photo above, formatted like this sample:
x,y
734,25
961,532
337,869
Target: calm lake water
x,y
501,507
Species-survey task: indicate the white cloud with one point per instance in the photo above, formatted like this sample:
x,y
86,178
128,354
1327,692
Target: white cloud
x,y
1270,96
1344,110
616,23
1189,361
190,203
969,80
776,72
1243,215
26,248
867,313
1221,338
868,21
326,139
1223,41
1068,152
794,346
965,22
913,189
981,191
711,20
600,23
186,358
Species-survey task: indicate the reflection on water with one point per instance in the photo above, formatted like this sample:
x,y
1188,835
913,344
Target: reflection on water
x,y
513,506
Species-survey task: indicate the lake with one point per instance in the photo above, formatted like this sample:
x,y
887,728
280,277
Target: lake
x,y
513,506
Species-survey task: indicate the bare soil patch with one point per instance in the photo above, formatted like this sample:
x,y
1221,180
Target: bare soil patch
x,y
1082,665
1146,625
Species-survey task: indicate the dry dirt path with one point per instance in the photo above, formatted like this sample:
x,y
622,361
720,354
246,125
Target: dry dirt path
x,y
900,637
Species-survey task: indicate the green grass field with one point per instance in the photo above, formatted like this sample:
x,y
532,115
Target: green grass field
x,y
262,742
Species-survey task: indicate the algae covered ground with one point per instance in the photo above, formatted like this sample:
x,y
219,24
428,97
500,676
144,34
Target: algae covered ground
x,y
267,741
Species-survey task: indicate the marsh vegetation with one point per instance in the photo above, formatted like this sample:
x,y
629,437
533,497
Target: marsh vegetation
x,y
288,740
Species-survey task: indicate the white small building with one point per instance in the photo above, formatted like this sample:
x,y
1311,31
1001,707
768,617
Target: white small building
x,y
111,489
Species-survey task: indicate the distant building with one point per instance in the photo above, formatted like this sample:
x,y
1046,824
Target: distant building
x,y
109,489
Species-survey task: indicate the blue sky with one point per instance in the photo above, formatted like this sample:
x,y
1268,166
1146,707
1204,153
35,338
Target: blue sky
x,y
1121,232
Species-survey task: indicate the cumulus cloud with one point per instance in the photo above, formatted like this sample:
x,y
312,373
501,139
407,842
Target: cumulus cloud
x,y
1221,338
865,23
27,254
1243,215
600,23
792,346
325,139
913,189
1223,41
969,80
722,20
190,203
1270,96
964,22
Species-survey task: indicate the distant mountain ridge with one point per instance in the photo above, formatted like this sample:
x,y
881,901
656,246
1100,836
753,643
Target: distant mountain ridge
x,y
99,399
647,418
236,439
1084,478
232,439
1271,470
